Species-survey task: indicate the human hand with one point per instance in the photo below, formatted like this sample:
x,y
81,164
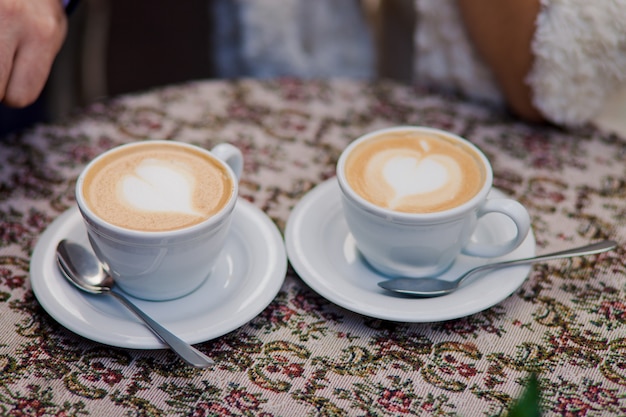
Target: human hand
x,y
31,34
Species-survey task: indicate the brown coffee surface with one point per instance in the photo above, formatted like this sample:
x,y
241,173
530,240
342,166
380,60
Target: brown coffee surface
x,y
414,172
156,187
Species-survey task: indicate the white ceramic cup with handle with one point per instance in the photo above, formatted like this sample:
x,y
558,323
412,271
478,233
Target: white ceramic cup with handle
x,y
158,213
413,196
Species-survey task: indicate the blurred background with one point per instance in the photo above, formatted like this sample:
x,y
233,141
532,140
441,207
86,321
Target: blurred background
x,y
116,47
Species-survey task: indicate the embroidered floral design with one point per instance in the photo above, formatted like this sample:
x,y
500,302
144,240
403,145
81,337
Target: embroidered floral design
x,y
304,356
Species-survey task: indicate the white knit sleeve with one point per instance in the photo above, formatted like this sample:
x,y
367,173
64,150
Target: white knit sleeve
x,y
580,57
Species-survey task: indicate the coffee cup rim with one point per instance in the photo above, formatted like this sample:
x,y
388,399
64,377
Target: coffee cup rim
x,y
106,228
406,217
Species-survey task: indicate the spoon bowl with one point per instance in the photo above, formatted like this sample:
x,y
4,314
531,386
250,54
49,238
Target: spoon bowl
x,y
434,287
81,268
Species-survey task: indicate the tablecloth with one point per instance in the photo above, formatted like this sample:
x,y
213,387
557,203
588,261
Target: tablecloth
x,y
303,355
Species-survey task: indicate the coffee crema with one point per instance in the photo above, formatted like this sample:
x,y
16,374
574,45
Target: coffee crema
x,y
414,172
156,187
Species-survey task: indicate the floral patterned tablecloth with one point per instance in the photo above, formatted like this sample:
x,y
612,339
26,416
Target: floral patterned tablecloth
x,y
304,356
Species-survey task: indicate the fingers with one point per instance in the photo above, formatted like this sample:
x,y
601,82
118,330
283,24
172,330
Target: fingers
x,y
30,70
7,53
8,42
30,38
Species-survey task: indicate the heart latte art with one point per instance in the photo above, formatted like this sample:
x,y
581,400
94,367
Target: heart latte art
x,y
159,186
414,172
156,187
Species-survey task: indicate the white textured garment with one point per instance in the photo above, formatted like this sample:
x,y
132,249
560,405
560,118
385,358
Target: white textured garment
x,y
579,66
580,49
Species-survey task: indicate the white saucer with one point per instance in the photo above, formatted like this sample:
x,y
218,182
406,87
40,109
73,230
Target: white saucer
x,y
324,255
246,279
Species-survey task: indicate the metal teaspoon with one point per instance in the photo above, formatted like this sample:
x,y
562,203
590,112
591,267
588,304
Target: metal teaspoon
x,y
433,287
84,270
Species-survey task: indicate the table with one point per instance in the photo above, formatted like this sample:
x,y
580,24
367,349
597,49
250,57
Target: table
x,y
305,356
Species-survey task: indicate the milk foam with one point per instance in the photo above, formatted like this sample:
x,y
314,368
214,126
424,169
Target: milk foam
x,y
409,173
414,172
158,185
411,176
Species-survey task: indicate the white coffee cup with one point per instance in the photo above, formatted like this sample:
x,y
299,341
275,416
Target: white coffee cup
x,y
158,213
404,218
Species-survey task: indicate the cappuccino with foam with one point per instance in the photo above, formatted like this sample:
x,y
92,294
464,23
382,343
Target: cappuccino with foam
x,y
414,171
413,196
157,187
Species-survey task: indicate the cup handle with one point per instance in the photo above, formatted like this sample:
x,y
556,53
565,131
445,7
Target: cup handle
x,y
513,210
231,155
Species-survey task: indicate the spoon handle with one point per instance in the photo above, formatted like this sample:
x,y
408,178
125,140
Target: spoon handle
x,y
594,248
187,352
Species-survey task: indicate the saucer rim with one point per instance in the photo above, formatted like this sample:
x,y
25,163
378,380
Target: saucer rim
x,y
43,274
325,198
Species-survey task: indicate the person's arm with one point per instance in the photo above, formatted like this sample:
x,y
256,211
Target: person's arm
x,y
502,32
31,35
